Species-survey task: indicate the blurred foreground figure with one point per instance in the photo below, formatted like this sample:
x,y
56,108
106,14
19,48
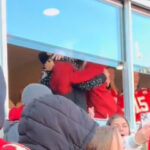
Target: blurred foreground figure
x,y
4,145
53,122
2,97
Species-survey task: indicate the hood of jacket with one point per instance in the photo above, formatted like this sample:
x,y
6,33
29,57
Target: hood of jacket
x,y
32,91
53,122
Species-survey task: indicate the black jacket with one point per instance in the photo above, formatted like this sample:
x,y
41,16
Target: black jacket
x,y
53,122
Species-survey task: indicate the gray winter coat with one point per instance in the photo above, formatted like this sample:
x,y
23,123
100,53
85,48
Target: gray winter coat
x,y
53,122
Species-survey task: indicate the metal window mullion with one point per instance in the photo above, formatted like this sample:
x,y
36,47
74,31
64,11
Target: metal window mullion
x,y
128,83
3,47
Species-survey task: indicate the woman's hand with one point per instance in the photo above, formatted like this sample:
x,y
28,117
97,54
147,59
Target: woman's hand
x,y
142,135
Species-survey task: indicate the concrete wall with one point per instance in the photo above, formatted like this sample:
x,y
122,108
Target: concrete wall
x,y
144,81
24,68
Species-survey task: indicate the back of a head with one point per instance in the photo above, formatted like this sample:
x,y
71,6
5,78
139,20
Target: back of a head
x,y
105,138
2,97
33,91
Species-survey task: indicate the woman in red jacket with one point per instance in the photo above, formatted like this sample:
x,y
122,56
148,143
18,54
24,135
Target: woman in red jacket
x,y
65,75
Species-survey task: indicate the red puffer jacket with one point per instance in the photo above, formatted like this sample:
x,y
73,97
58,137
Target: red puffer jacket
x,y
102,101
65,75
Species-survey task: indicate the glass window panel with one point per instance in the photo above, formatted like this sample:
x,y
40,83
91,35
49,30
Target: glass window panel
x,y
141,44
86,26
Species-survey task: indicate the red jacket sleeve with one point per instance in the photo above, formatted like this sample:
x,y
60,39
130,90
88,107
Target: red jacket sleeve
x,y
65,74
149,145
90,71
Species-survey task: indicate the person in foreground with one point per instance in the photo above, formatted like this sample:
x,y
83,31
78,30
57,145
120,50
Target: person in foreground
x,y
5,145
53,122
106,138
121,123
132,141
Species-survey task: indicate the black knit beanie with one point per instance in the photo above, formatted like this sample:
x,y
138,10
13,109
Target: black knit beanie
x,y
43,57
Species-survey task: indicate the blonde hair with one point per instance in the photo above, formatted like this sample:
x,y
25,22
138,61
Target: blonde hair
x,y
103,139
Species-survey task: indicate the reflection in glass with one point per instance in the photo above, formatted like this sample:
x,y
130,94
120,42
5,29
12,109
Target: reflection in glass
x,y
141,44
